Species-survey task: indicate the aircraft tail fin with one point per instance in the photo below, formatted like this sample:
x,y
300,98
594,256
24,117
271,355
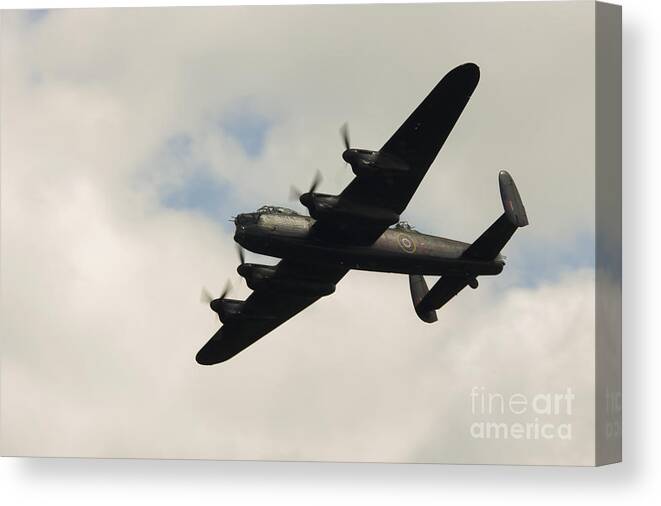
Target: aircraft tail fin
x,y
512,204
419,290
486,248
489,244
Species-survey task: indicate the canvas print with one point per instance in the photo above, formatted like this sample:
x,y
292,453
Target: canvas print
x,y
371,233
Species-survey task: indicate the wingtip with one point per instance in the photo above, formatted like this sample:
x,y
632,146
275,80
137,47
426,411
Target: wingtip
x,y
467,75
216,350
469,69
211,354
469,65
202,359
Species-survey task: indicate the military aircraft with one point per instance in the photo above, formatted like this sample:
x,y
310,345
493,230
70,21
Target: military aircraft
x,y
360,229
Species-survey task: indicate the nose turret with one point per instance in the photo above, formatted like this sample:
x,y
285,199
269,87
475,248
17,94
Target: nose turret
x,y
246,219
242,222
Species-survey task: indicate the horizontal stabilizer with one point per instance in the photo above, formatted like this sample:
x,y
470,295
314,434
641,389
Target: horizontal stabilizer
x,y
441,293
492,240
418,292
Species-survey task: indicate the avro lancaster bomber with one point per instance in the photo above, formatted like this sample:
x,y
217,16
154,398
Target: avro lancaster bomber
x,y
360,229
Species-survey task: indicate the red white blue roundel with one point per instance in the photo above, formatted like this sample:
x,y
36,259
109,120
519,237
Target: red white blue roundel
x,y
406,243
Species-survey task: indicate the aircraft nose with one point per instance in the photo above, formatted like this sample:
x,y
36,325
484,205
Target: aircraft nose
x,y
239,234
245,219
243,223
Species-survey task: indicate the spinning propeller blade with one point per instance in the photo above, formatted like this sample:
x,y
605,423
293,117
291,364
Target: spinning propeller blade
x,y
207,298
295,193
228,287
316,182
344,132
242,254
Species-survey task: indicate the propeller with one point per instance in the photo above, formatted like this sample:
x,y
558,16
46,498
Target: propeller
x,y
226,290
242,254
295,193
206,296
315,182
344,132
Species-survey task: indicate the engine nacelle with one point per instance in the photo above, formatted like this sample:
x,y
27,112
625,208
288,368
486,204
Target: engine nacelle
x,y
255,274
368,163
330,208
319,204
227,309
262,277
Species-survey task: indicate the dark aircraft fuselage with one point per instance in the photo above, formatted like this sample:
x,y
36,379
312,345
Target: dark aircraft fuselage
x,y
398,249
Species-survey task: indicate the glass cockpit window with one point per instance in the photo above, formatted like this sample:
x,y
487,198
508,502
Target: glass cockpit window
x,y
276,210
405,225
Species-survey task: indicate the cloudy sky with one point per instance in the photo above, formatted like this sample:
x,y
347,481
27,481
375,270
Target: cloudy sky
x,y
129,137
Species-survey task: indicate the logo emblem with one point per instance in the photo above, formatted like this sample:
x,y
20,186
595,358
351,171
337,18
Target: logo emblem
x,y
406,243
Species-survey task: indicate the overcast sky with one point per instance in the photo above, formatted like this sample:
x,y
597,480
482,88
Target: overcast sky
x,y
129,138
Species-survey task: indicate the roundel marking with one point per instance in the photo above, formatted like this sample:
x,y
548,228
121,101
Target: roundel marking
x,y
406,243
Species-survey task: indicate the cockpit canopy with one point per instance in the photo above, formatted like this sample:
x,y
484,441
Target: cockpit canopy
x,y
404,225
276,210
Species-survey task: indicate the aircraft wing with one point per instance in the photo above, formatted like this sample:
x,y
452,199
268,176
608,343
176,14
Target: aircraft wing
x,y
441,293
416,143
264,310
